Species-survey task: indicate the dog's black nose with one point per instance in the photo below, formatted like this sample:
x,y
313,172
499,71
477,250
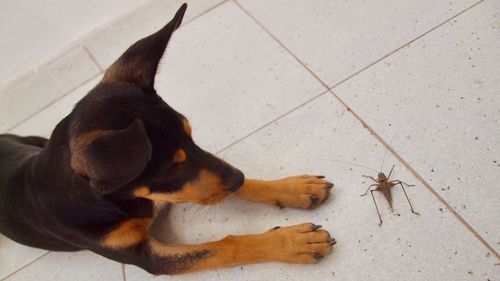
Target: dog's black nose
x,y
235,181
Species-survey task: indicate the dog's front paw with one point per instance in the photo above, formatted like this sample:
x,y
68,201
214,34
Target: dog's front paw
x,y
304,243
304,191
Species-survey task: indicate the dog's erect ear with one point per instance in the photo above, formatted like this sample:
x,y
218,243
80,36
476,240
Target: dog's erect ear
x,y
140,61
111,158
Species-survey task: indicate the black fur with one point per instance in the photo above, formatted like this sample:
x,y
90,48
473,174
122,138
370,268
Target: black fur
x,y
66,193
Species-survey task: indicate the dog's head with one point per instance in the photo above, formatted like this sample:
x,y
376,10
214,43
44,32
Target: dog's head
x,y
125,138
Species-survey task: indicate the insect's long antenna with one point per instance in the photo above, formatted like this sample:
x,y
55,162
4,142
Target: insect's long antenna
x,y
387,150
350,163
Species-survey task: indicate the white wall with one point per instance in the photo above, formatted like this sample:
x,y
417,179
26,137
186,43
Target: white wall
x,y
34,31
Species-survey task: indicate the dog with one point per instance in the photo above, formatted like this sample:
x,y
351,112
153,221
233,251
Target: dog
x,y
94,184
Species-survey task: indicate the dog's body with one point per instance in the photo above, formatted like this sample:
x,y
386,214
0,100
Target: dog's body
x,y
93,185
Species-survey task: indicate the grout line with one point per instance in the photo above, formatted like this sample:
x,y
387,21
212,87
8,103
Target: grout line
x,y
24,266
280,43
184,23
405,45
52,102
407,166
92,58
123,272
417,175
272,121
101,70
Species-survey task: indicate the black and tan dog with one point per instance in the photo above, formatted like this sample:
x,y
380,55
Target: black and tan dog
x,y
94,183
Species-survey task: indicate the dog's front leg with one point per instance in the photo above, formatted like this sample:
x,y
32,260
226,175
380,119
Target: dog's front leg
x,y
299,192
302,244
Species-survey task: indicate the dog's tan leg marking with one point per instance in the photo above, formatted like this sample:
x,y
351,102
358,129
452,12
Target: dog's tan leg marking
x,y
304,244
206,189
127,233
300,192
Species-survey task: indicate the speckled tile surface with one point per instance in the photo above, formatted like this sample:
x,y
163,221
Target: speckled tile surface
x,y
106,43
338,38
14,256
34,91
68,266
225,87
443,94
309,140
44,122
249,98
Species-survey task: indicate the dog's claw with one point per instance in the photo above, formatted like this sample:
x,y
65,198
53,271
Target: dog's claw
x,y
317,257
329,185
333,241
316,226
320,177
279,205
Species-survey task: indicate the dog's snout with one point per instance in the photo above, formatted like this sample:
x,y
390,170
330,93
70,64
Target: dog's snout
x,y
235,181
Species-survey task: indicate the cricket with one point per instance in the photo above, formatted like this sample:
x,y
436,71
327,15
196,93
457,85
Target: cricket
x,y
384,185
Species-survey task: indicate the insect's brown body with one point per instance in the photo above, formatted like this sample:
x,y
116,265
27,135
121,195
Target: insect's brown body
x,y
384,185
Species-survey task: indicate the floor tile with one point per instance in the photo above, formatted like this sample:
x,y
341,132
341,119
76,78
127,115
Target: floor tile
x,y
313,139
45,121
338,38
62,266
14,256
107,44
32,92
226,88
442,92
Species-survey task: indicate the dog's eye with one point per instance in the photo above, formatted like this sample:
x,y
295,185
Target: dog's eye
x,y
179,156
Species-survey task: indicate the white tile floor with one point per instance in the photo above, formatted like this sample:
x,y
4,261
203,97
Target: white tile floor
x,y
279,89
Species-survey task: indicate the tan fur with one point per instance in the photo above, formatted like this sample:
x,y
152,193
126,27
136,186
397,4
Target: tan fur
x,y
295,244
206,189
179,156
287,192
187,127
127,233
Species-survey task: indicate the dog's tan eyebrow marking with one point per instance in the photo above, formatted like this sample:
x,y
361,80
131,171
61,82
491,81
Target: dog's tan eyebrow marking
x,y
179,156
127,233
187,127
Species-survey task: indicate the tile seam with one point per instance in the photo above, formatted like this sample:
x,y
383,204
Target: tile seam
x,y
407,44
280,43
418,177
124,274
24,266
92,58
304,103
407,166
101,70
51,103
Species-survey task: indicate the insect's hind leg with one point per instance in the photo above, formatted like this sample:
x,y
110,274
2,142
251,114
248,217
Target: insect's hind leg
x,y
376,207
407,198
